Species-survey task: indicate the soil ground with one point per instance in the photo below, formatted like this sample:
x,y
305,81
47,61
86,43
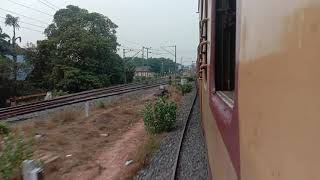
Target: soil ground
x,y
96,147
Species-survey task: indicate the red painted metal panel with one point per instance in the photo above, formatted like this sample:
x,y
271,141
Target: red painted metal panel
x,y
227,118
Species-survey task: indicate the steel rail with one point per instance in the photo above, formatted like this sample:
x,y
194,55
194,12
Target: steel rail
x,y
74,100
67,96
183,133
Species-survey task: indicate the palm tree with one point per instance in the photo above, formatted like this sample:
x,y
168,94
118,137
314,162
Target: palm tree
x,y
14,23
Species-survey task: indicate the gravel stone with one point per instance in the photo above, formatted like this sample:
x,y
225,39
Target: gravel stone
x,y
160,167
193,155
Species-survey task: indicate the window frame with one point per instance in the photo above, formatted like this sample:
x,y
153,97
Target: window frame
x,y
226,116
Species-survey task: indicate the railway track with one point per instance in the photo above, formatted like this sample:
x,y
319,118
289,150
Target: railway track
x,y
182,137
10,112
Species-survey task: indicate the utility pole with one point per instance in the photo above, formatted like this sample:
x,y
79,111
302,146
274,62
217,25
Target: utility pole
x,y
175,57
175,62
148,48
142,52
125,64
124,67
162,68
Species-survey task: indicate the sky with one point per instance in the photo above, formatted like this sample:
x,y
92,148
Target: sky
x,y
148,23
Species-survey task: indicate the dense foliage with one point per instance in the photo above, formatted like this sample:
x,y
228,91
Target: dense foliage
x,y
185,88
5,69
160,116
14,150
79,54
158,65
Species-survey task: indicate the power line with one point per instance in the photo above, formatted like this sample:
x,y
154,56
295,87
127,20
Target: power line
x,y
30,29
49,6
31,18
30,8
27,28
27,23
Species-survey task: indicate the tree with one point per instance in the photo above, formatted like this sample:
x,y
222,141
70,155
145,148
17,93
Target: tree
x,y
158,65
5,70
4,45
14,23
80,52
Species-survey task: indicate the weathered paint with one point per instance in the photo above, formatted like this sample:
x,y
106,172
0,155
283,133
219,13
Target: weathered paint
x,y
279,102
218,155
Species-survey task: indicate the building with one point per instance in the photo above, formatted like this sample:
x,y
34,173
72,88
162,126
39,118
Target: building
x,y
23,71
143,71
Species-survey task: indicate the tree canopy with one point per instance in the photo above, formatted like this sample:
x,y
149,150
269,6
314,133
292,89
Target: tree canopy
x,y
155,64
80,52
5,69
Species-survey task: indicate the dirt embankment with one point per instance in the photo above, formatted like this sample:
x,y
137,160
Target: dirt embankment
x,y
96,147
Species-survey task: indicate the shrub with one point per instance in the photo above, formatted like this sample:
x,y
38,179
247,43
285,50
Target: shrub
x,y
184,89
160,116
146,151
14,151
57,93
190,78
4,129
100,105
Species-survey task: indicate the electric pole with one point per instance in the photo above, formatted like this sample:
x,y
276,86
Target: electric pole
x,y
142,52
125,64
175,57
148,51
175,62
124,67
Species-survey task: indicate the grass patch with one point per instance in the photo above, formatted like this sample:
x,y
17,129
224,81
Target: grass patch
x,y
4,129
13,151
147,150
100,105
66,116
184,89
143,155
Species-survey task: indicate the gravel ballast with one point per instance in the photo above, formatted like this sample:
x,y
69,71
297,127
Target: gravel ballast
x,y
78,106
161,165
193,158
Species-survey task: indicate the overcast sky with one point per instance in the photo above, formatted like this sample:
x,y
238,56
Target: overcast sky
x,y
149,23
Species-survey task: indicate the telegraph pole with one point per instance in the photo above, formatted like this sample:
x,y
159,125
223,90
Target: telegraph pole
x,y
142,52
175,62
148,48
125,64
124,67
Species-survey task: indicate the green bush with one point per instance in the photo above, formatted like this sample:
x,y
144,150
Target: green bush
x,y
190,78
160,116
57,93
100,105
184,89
4,129
14,151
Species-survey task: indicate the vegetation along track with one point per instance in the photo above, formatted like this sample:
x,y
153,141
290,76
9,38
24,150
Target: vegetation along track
x,y
6,113
183,133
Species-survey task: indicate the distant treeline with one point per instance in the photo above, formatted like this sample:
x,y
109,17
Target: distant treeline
x,y
157,65
79,53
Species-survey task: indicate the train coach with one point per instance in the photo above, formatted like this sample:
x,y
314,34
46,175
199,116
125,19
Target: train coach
x,y
259,71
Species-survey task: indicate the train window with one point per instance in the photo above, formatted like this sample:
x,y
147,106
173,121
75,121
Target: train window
x,y
225,47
